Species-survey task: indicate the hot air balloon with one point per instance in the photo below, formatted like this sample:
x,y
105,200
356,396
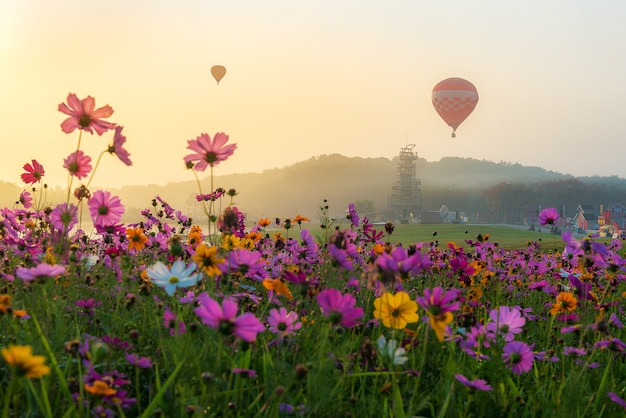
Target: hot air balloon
x,y
218,72
454,99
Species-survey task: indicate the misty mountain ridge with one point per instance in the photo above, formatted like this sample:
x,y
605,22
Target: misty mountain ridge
x,y
300,188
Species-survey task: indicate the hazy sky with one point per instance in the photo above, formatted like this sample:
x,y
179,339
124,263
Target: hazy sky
x,y
352,77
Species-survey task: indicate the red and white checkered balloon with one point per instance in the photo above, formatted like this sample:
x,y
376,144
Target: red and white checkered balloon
x,y
454,99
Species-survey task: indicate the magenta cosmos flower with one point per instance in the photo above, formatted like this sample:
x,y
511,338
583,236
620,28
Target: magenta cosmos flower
x,y
506,322
548,216
518,356
42,272
83,115
478,384
118,146
224,318
26,199
105,209
64,217
339,308
209,152
283,323
34,172
78,164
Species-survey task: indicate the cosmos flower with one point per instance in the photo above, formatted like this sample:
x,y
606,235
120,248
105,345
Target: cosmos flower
x,y
565,302
224,318
396,311
78,164
118,146
518,356
34,172
207,259
439,307
506,322
136,239
83,115
26,199
105,209
548,216
390,350
179,275
209,152
41,272
478,384
24,363
339,308
615,398
282,322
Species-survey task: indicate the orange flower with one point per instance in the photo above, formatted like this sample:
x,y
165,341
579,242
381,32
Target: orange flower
x,y
195,236
278,286
22,361
565,302
5,303
263,222
100,388
299,219
136,238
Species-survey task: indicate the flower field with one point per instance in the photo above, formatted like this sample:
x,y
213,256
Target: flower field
x,y
221,317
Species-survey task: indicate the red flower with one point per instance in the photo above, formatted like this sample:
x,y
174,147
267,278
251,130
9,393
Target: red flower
x,y
84,116
33,173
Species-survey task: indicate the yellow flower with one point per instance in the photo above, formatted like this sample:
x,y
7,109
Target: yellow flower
x,y
195,236
100,388
22,361
396,311
565,302
136,238
439,323
230,242
278,286
208,260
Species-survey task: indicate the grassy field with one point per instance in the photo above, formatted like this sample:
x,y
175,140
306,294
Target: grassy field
x,y
509,237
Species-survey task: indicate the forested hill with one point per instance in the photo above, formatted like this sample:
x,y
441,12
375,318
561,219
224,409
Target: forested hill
x,y
461,183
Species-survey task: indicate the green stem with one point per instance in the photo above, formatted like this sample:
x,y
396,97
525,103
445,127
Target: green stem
x,y
95,167
69,175
7,397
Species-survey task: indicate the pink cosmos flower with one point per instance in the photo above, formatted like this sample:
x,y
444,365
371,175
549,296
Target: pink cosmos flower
x,y
83,116
41,272
209,152
437,303
339,308
64,217
283,323
506,322
118,146
26,199
172,322
78,164
105,209
224,318
518,356
34,172
615,398
478,384
548,216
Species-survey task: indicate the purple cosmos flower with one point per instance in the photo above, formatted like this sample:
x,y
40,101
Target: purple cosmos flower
x,y
249,263
283,323
574,351
118,146
353,216
478,384
437,303
26,199
105,209
173,323
42,272
613,396
63,217
224,318
141,362
339,308
245,372
518,356
209,152
78,164
506,322
548,216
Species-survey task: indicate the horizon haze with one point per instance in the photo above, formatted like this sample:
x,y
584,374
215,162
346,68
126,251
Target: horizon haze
x,y
307,79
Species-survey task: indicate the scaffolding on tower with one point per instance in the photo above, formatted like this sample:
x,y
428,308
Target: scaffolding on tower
x,y
405,200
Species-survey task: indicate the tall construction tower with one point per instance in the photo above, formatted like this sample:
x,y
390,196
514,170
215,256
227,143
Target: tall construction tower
x,y
405,200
